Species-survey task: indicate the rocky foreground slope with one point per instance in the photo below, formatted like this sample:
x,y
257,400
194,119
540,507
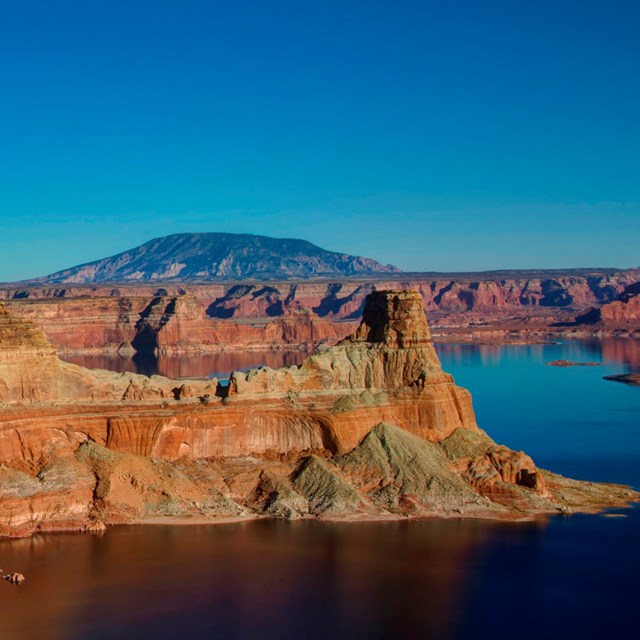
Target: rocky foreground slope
x,y
370,428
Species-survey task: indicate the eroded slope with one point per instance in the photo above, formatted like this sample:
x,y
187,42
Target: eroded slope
x,y
369,428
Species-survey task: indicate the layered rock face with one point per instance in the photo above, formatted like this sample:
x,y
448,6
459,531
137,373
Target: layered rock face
x,y
166,324
387,371
391,349
173,323
621,313
369,428
84,323
28,365
179,325
187,318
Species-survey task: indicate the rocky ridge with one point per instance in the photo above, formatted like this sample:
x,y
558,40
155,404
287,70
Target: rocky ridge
x,y
208,318
369,428
622,312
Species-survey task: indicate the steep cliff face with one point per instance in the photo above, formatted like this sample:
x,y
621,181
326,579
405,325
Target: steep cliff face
x,y
346,299
180,325
186,318
371,427
387,371
166,325
83,323
28,362
31,372
391,349
177,323
622,312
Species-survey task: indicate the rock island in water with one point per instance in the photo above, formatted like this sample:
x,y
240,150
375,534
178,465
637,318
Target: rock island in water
x,y
370,428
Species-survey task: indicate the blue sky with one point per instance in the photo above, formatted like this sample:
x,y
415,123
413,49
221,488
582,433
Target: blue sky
x,y
436,136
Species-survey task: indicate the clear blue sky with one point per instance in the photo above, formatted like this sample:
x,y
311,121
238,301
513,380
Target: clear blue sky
x,y
459,135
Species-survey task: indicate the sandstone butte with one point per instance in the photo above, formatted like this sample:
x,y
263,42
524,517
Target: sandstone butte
x,y
370,428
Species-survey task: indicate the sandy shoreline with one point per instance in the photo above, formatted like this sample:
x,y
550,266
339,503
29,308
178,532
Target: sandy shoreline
x,y
193,520
356,518
610,511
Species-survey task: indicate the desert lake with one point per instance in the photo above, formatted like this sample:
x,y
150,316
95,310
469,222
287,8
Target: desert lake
x,y
558,577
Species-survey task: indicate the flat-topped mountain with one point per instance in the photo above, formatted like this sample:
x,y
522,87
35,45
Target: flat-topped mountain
x,y
205,256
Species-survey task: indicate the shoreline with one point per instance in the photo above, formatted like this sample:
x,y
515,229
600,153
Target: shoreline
x,y
489,516
608,511
507,337
373,430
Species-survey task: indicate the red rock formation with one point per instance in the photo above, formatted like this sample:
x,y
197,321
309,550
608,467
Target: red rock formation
x,y
177,324
84,324
29,365
188,318
167,325
621,313
79,447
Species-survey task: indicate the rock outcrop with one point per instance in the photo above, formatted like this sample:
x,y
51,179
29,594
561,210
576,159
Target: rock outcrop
x,y
31,372
28,363
623,312
369,428
189,318
166,325
632,379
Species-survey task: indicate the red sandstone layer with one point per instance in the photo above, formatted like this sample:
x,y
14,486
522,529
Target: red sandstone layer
x,y
370,427
208,318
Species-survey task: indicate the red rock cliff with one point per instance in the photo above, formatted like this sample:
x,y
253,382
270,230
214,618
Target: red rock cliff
x,y
91,319
372,426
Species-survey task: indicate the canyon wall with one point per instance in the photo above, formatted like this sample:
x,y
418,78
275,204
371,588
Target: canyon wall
x,y
344,298
166,325
622,312
209,317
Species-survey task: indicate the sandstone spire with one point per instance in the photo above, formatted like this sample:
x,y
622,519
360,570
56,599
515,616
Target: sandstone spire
x,y
394,318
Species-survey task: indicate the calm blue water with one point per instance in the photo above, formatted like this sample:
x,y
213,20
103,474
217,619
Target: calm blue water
x,y
563,577
569,420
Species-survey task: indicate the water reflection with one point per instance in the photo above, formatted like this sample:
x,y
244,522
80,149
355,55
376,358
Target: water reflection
x,y
608,350
262,579
218,365
568,577
623,351
484,354
569,419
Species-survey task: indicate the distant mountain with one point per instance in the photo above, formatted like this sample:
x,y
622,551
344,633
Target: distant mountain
x,y
192,257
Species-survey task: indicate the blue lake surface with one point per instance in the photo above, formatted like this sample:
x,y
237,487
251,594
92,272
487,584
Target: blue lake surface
x,y
568,419
558,577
